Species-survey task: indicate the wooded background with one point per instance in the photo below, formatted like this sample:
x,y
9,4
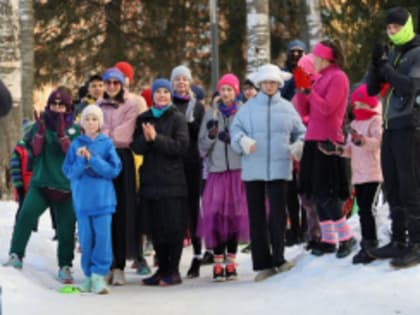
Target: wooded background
x,y
54,42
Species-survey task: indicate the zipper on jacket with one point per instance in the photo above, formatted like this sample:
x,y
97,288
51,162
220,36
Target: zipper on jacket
x,y
388,98
226,146
268,137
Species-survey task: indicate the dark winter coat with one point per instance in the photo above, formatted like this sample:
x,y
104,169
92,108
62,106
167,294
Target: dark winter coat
x,y
162,172
402,72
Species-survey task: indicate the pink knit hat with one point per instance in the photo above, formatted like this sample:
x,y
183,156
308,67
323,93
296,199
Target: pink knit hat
x,y
231,80
361,95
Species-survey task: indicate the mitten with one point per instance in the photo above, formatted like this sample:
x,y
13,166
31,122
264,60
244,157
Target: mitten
x,y
38,140
61,135
224,136
302,79
41,130
212,127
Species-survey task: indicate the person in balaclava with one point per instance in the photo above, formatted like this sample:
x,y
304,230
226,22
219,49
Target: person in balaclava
x,y
295,50
399,71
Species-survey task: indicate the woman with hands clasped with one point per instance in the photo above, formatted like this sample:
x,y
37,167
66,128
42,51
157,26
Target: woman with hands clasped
x,y
262,131
161,136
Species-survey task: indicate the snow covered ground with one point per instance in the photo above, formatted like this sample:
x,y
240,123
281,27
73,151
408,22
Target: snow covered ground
x,y
325,285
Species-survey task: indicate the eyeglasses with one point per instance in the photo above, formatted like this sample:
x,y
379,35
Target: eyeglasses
x,y
112,82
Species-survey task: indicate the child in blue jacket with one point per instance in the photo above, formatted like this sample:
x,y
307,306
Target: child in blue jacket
x,y
90,164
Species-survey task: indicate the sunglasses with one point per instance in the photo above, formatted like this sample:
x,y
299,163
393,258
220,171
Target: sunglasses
x,y
57,103
112,82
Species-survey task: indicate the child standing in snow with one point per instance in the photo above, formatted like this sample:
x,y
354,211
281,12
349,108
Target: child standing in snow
x,y
224,221
363,147
90,164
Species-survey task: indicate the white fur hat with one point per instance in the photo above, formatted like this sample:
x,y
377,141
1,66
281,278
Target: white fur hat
x,y
270,72
94,110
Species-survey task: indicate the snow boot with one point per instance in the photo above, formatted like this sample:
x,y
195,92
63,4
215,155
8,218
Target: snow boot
x,y
194,271
218,273
230,272
152,280
391,250
345,247
411,257
362,257
118,277
14,261
99,284
172,279
322,248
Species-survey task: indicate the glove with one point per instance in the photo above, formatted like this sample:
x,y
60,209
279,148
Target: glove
x,y
302,79
41,130
61,135
224,136
379,55
213,128
356,138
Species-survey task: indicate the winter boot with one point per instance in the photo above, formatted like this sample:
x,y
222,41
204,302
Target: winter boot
x,y
86,285
13,261
172,279
322,248
99,284
345,247
230,272
362,257
208,258
194,271
118,277
411,257
218,273
391,250
65,275
153,280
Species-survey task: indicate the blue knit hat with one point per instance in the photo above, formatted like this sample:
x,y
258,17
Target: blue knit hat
x,y
161,83
113,73
296,44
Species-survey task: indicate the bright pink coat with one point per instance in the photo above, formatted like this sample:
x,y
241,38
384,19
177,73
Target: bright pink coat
x,y
326,105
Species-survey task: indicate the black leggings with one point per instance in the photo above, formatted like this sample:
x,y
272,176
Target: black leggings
x,y
231,246
365,195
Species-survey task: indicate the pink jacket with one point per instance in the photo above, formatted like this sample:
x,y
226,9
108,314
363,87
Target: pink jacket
x,y
325,105
365,159
120,120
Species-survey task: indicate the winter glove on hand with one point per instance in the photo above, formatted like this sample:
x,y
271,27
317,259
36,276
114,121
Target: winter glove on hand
x,y
213,128
224,136
38,140
41,130
302,79
379,55
62,138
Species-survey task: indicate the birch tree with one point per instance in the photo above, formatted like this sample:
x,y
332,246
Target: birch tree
x,y
10,73
258,33
313,23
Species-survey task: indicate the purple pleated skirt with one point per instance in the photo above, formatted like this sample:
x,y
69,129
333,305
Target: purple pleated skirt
x,y
224,213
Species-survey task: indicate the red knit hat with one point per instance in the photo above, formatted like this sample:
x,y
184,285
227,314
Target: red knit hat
x,y
231,80
126,69
147,94
361,95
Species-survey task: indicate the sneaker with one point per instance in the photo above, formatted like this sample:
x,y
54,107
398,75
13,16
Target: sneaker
x,y
345,247
230,272
322,248
86,285
411,257
14,261
118,277
153,280
194,271
264,274
65,275
218,273
246,249
99,284
285,266
391,250
362,257
142,267
208,258
172,279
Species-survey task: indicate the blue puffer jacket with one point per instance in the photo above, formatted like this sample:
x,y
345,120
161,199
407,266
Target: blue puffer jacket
x,y
91,181
274,123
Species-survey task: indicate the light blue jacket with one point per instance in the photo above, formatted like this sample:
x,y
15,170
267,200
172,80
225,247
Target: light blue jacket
x,y
91,181
274,123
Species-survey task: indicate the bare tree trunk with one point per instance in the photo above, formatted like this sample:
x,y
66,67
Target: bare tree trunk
x,y
258,33
10,72
313,23
26,19
113,47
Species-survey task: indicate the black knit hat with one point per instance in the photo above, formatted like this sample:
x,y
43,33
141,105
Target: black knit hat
x,y
397,15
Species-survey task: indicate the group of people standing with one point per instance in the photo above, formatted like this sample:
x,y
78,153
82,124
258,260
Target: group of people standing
x,y
288,136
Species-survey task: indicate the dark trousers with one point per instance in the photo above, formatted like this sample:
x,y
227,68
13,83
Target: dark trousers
x,y
399,166
295,211
169,256
267,238
365,195
329,207
193,177
230,246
